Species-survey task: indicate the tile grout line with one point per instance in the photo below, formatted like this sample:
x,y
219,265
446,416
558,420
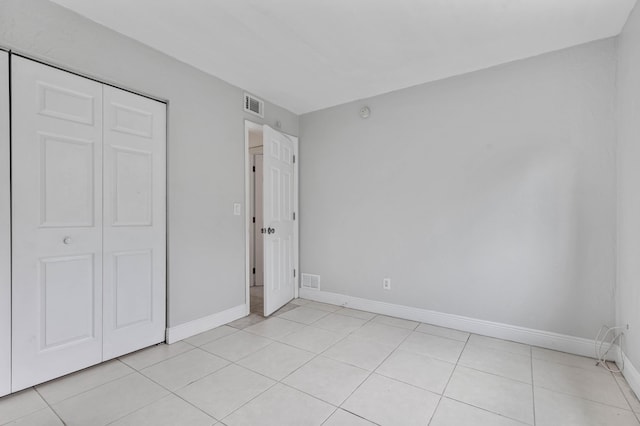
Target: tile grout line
x,y
488,411
488,373
156,346
170,393
8,422
195,406
598,370
48,405
144,406
444,390
330,415
84,391
533,388
637,416
133,370
235,330
593,401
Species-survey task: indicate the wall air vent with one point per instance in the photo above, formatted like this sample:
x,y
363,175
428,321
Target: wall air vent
x,y
253,105
311,281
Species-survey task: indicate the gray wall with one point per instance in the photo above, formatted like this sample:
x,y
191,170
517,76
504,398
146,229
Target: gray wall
x,y
205,145
490,195
629,185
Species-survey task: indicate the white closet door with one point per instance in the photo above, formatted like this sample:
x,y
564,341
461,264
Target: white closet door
x,y
278,203
5,231
57,222
134,222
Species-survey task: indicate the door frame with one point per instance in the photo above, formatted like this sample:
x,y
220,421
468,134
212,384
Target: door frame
x,y
5,228
253,153
248,126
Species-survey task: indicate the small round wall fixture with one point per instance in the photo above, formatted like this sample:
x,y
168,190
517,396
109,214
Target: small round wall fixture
x,y
365,112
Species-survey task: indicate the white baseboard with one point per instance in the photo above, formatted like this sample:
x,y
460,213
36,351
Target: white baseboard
x,y
200,325
630,372
544,339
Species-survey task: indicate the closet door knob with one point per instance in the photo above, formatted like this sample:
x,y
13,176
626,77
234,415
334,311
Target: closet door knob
x,y
67,240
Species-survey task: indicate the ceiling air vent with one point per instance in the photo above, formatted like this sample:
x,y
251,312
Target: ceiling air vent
x,y
253,105
311,281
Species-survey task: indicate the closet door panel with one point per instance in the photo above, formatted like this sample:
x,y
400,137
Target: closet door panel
x,y
5,230
134,222
57,223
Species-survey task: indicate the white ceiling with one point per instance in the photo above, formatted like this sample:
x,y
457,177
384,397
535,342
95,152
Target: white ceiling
x,y
307,55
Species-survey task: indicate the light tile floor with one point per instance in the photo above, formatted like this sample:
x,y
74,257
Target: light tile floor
x,y
317,364
256,299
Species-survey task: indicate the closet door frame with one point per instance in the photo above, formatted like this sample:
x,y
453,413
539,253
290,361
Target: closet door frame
x,y
5,229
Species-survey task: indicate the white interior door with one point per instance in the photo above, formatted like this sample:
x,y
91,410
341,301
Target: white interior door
x,y
5,230
259,236
134,222
278,201
57,223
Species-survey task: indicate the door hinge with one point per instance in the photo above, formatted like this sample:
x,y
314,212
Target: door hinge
x,y
254,220
294,273
294,159
294,215
254,169
254,270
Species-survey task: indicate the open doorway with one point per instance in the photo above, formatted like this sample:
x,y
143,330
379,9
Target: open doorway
x,y
271,223
256,242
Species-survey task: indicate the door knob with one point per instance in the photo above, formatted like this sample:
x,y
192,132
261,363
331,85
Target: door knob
x,y
67,240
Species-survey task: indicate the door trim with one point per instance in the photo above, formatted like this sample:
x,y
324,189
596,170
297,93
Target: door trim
x,y
5,227
248,126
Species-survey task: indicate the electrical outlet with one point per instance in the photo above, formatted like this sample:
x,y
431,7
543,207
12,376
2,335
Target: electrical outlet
x,y
386,283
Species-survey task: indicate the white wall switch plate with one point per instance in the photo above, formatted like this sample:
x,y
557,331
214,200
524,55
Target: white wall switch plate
x,y
237,209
